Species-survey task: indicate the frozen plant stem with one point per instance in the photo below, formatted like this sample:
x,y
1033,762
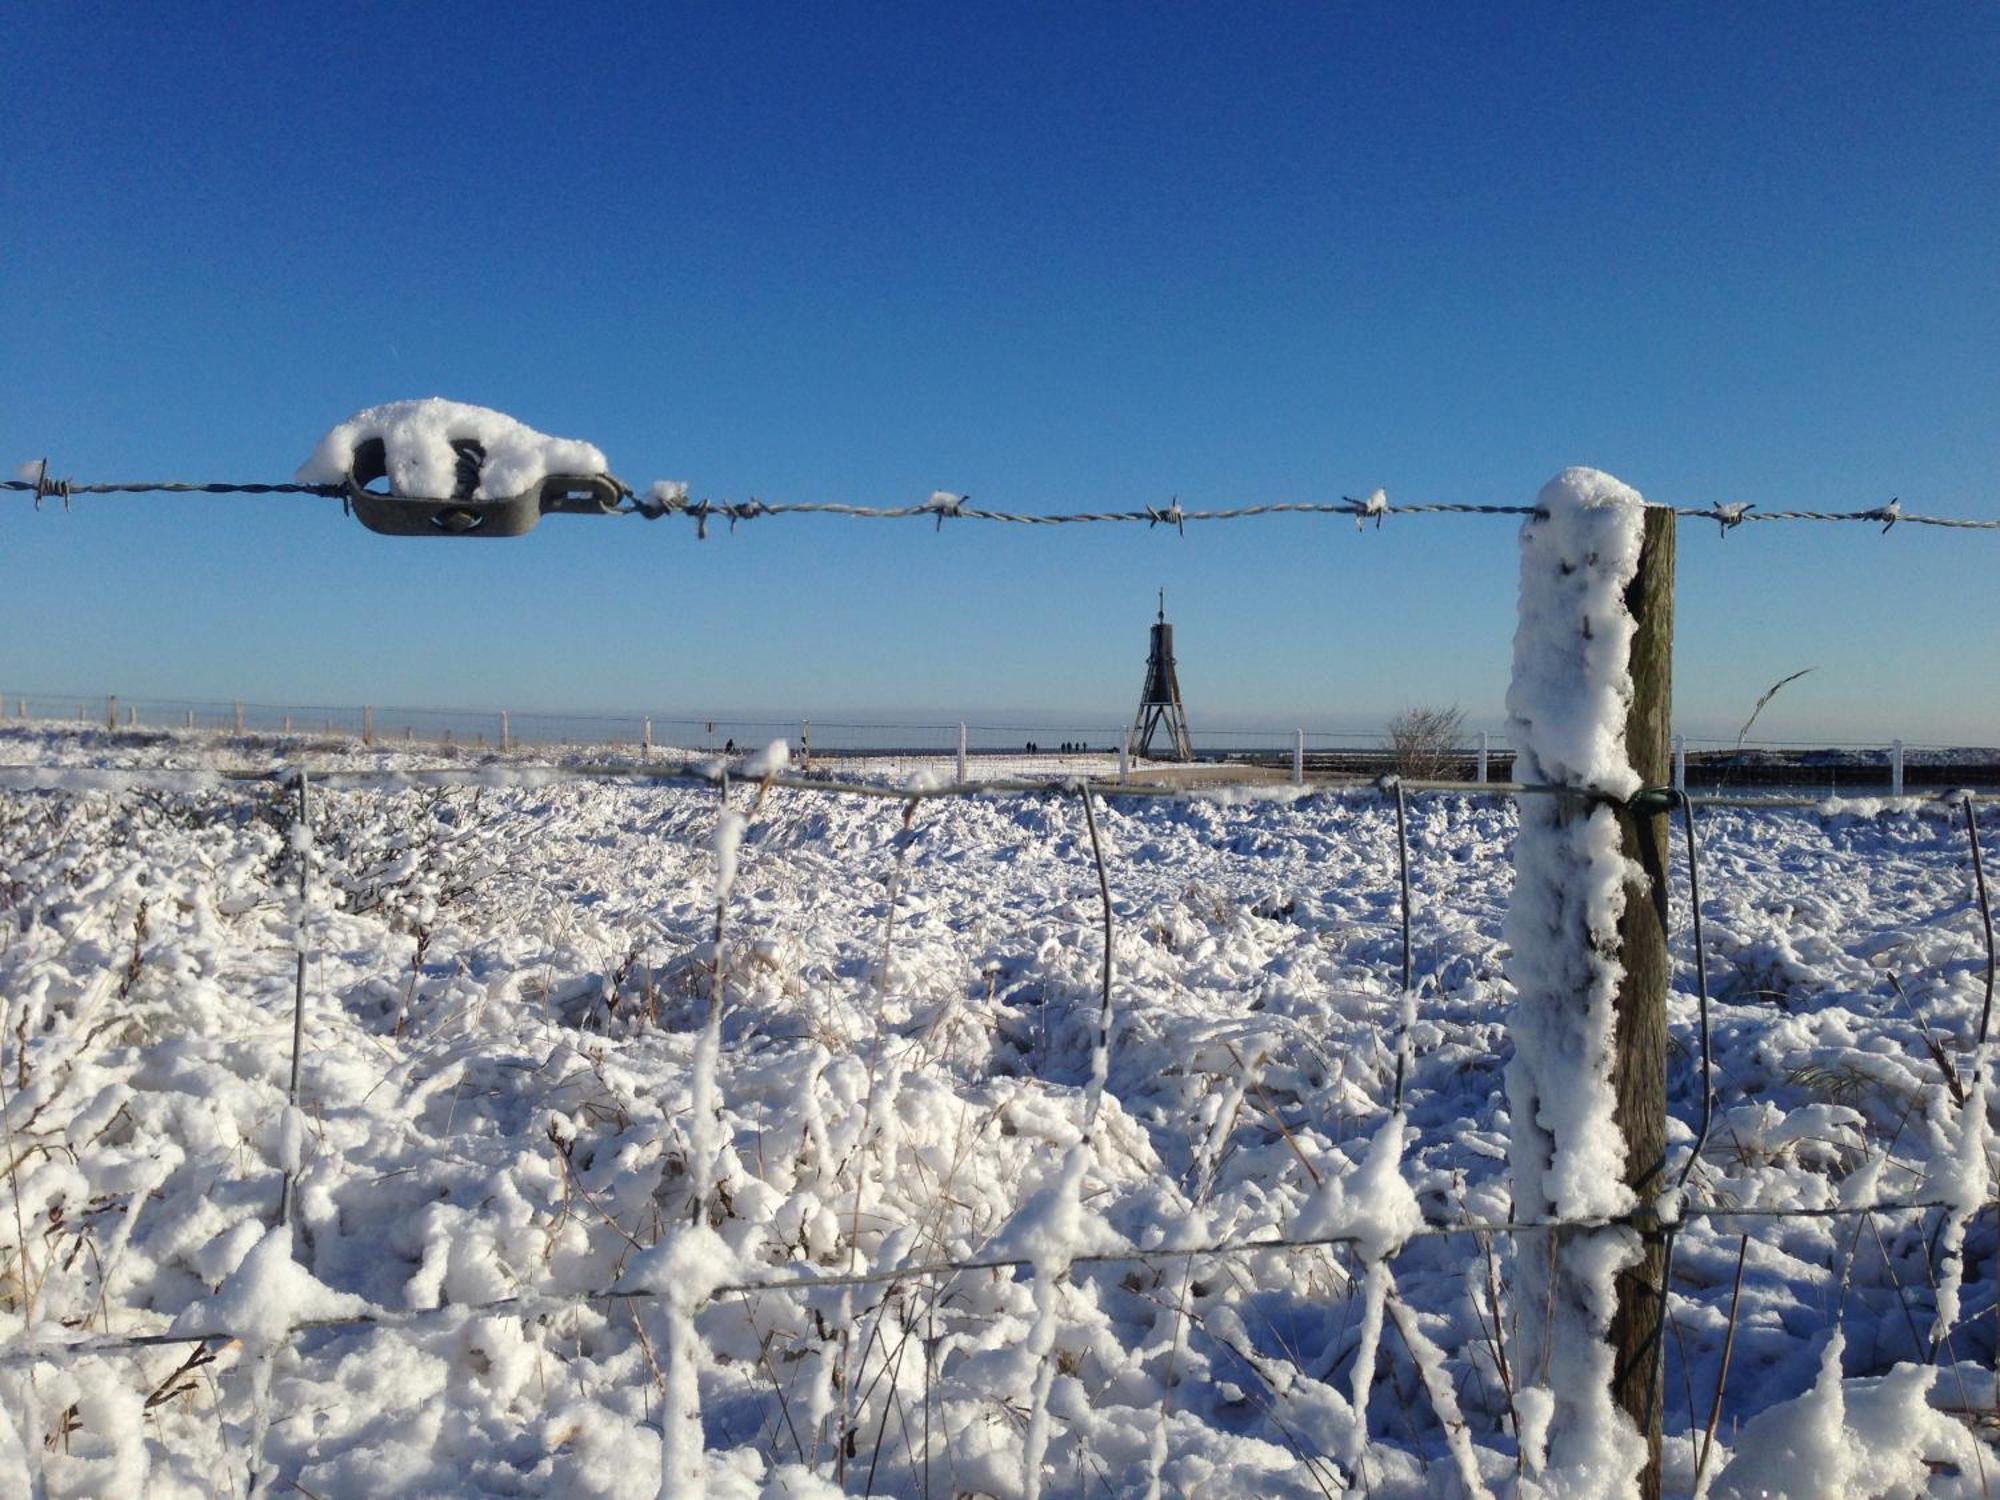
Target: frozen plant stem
x,y
1722,1370
1985,915
704,1130
32,1418
881,1101
1052,1266
683,1474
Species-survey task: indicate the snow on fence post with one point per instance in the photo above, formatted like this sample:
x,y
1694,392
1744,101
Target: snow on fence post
x,y
1298,757
1895,768
190,718
239,718
111,711
1124,762
645,739
505,739
1485,755
1680,763
1589,709
961,752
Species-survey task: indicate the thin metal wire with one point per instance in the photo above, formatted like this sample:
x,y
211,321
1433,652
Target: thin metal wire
x,y
19,776
1701,990
733,511
1985,917
530,1306
288,1192
63,488
1657,1374
1403,870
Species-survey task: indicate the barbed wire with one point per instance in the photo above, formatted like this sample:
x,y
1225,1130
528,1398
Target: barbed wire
x,y
1728,515
42,487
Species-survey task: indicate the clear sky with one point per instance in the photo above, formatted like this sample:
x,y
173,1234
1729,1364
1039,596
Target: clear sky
x,y
1055,256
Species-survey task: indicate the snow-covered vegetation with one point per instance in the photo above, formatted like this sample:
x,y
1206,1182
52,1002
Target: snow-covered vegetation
x,y
508,992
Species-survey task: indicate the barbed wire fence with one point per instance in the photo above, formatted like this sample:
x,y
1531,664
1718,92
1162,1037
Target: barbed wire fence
x,y
671,500
1047,1268
300,784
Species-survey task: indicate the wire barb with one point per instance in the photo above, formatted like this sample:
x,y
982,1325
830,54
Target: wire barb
x,y
44,486
944,503
1732,515
1376,505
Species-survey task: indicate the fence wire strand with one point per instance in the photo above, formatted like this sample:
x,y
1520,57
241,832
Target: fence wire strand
x,y
21,776
540,1305
1727,516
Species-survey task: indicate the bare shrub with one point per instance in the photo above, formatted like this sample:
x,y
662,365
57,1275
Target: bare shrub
x,y
1424,741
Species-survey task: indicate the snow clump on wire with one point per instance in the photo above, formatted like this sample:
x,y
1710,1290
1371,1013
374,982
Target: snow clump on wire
x,y
417,438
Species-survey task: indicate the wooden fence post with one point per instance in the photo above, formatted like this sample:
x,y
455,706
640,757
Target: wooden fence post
x,y
368,726
1590,708
505,740
961,752
1298,757
1485,755
1639,1066
111,712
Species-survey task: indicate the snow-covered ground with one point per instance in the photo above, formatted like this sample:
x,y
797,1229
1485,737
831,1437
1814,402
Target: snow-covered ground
x,y
506,991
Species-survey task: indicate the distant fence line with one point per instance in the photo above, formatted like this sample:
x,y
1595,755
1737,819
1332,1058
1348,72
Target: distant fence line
x,y
1835,765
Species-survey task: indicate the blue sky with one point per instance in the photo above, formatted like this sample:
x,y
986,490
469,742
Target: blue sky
x,y
1055,256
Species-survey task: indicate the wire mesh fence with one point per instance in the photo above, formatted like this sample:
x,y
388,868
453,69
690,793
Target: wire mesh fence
x,y
894,1269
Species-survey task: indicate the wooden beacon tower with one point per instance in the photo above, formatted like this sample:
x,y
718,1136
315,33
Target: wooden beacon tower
x,y
1160,702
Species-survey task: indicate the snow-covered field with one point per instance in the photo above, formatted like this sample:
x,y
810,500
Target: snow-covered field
x,y
506,992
